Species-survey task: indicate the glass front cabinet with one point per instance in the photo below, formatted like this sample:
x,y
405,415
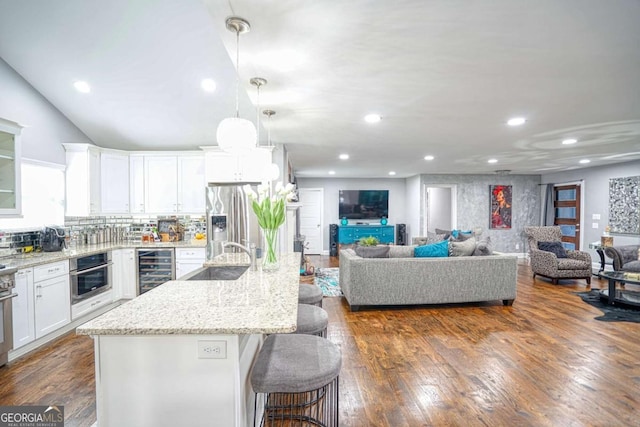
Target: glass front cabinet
x,y
10,168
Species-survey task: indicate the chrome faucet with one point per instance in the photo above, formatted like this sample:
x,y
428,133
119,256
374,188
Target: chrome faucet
x,y
251,251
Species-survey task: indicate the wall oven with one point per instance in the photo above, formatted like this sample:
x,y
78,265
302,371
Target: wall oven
x,y
90,275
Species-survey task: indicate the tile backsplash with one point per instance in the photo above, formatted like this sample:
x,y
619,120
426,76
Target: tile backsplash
x,y
129,230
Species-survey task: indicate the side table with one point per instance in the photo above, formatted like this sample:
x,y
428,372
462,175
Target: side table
x,y
600,250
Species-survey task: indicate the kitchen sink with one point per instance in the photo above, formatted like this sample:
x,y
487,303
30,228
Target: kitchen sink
x,y
223,272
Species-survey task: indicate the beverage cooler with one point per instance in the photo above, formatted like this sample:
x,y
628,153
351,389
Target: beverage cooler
x,y
155,267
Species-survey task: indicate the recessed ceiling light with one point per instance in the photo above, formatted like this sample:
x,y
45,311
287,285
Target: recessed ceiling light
x,y
343,156
82,86
492,161
569,141
392,173
429,157
585,161
332,172
372,118
208,85
516,121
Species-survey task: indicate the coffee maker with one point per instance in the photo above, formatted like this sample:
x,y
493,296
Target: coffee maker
x,y
53,239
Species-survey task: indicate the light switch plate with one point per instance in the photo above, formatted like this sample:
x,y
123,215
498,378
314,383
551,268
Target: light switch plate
x,y
595,216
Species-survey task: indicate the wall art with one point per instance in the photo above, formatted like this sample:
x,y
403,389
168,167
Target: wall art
x,y
624,205
500,196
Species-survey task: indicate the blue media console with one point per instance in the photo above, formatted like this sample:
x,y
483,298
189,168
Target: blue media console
x,y
348,234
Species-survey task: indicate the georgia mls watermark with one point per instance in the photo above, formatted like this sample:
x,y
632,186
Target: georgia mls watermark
x,y
31,416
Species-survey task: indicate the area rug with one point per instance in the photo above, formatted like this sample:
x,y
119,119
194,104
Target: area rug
x,y
327,279
611,312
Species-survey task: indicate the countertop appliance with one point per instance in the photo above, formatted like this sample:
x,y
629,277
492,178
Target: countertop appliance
x,y
229,219
7,283
90,275
53,239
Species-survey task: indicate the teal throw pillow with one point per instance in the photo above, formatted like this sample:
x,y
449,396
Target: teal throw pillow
x,y
434,250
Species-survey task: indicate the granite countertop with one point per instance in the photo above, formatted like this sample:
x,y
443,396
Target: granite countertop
x,y
257,302
38,258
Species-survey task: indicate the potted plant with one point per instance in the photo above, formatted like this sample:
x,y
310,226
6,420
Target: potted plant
x,y
368,241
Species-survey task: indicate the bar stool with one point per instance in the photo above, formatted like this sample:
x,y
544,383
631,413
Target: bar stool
x,y
310,294
312,320
295,378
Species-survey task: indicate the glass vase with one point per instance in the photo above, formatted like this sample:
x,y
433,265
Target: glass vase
x,y
270,252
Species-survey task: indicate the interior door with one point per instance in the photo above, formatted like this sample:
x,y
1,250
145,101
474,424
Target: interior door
x,y
566,203
311,213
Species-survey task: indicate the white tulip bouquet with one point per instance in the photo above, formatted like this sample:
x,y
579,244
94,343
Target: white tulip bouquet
x,y
270,210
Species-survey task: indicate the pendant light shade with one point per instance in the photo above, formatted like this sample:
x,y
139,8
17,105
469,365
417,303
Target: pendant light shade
x,y
236,135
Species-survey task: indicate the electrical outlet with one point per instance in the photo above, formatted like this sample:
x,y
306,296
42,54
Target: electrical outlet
x,y
517,246
212,349
594,225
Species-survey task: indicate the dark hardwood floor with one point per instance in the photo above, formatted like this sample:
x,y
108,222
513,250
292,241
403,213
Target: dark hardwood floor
x,y
545,361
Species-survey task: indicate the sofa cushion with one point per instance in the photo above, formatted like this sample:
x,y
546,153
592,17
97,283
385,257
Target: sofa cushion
x,y
483,247
398,251
632,266
381,251
433,250
573,264
446,233
555,247
462,248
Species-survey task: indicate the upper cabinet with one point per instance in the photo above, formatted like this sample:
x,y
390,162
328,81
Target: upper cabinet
x,y
174,184
223,167
10,168
102,181
82,193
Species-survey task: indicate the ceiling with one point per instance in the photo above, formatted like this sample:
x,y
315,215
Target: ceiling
x,y
445,76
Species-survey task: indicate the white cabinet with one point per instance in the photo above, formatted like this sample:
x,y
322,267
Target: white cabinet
x,y
191,184
136,183
222,167
82,178
10,194
87,306
52,297
114,182
174,184
188,260
23,309
124,274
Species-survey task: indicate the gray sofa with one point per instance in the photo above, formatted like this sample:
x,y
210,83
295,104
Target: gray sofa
x,y
407,281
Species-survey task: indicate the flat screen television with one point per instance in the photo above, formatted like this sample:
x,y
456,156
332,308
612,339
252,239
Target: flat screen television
x,y
363,204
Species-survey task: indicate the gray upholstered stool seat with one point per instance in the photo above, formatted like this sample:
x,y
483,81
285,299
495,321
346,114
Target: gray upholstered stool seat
x,y
296,377
312,320
310,294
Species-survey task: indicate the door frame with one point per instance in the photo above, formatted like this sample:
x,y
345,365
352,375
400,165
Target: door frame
x,y
424,220
323,251
581,183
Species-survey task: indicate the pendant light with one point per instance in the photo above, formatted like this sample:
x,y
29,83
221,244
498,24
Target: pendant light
x,y
257,82
274,170
236,135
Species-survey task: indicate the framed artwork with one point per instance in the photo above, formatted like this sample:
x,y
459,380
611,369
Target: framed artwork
x,y
500,196
624,205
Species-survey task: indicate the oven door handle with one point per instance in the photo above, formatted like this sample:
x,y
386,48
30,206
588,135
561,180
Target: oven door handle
x,y
75,273
8,297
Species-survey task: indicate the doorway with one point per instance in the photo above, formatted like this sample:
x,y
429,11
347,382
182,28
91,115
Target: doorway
x,y
566,206
439,210
311,214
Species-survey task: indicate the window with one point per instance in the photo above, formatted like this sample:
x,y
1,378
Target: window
x,y
42,197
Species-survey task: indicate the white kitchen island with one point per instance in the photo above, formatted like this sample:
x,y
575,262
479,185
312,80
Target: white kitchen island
x,y
181,354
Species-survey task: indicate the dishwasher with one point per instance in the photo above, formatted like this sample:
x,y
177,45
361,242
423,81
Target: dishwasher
x,y
155,267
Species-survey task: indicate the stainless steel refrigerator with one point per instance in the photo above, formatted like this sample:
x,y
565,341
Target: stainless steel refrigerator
x,y
230,218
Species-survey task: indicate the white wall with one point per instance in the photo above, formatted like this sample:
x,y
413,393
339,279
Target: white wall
x,y
397,206
413,198
439,208
45,127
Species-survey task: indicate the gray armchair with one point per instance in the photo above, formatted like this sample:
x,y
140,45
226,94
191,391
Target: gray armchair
x,y
625,258
577,264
